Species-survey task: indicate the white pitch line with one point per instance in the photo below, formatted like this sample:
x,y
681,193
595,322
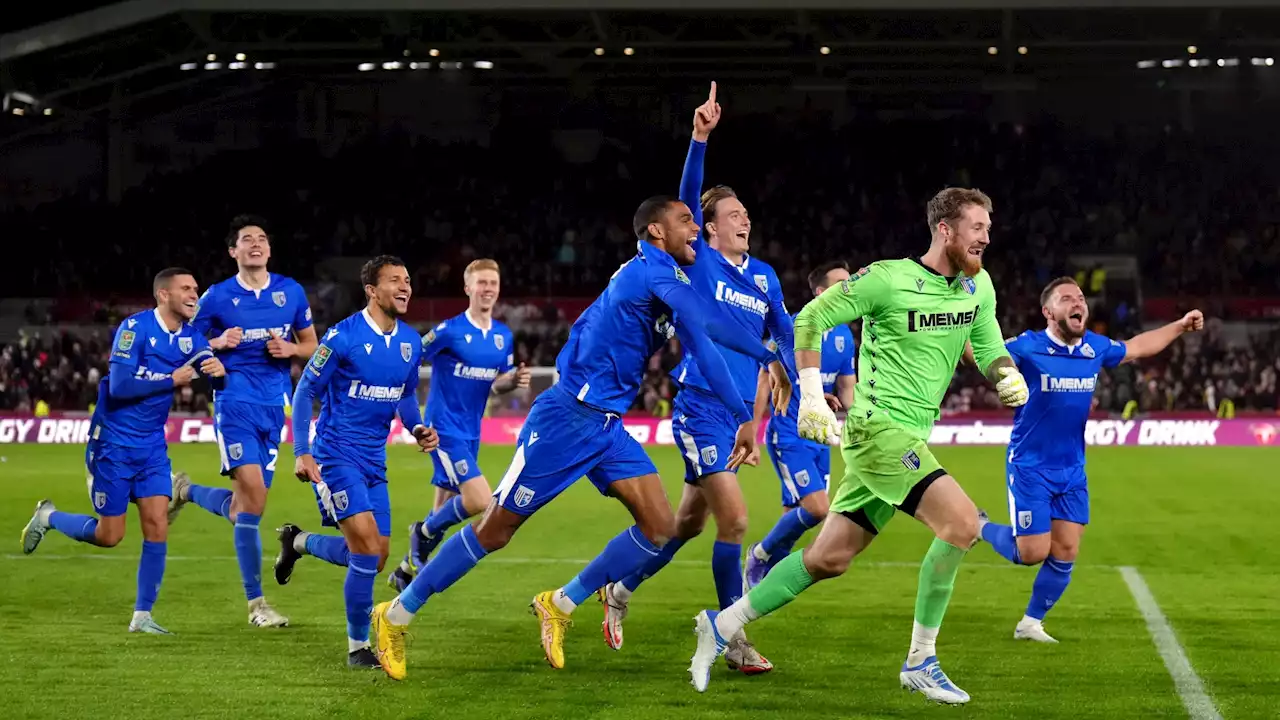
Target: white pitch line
x,y
1185,680
499,560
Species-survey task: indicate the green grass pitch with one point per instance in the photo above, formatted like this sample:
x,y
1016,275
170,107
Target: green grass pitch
x,y
1200,524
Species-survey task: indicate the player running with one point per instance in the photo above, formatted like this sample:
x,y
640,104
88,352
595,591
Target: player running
x,y
364,373
258,323
472,357
917,315
575,429
154,352
746,295
1048,493
803,466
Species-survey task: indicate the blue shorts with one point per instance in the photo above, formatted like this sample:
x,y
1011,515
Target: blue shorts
x,y
561,441
351,489
1037,496
119,475
248,434
704,432
455,462
804,467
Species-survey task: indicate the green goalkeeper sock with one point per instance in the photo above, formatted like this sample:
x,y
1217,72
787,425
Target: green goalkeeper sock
x,y
937,580
784,582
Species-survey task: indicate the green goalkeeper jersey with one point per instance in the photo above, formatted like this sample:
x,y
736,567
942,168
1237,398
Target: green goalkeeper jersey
x,y
914,326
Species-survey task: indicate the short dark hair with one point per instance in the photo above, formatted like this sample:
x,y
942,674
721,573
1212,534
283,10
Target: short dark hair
x,y
651,211
948,204
369,273
240,222
164,276
819,274
1054,285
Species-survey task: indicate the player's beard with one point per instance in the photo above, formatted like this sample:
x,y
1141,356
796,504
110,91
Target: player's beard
x,y
961,260
1065,331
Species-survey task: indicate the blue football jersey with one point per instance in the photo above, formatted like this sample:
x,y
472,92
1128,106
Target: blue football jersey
x,y
747,297
253,375
1048,431
609,346
465,360
150,352
838,360
361,374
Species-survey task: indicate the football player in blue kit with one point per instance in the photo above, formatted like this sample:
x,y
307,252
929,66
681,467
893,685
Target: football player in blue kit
x,y
364,374
472,357
258,322
154,352
1048,494
576,429
803,466
744,292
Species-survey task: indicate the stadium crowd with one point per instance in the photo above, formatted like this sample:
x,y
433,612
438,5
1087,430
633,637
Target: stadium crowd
x,y
560,228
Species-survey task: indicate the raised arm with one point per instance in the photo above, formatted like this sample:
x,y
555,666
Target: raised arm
x,y
705,119
1153,342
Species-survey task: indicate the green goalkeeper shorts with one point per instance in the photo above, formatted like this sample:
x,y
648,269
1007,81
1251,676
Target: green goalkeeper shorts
x,y
882,462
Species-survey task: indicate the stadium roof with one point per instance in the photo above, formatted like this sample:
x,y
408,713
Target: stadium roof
x,y
132,52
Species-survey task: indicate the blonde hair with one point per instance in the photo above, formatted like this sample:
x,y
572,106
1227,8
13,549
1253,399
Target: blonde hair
x,y
948,204
478,265
713,196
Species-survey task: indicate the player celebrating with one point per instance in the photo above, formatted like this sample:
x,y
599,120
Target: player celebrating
x,y
471,356
364,373
127,458
917,315
575,429
1048,493
803,466
258,322
746,293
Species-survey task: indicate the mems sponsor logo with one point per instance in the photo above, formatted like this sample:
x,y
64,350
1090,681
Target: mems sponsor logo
x,y
264,334
376,393
474,373
828,378
745,301
142,373
1067,384
930,322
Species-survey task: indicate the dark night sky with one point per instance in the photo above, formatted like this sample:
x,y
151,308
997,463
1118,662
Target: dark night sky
x,y
21,14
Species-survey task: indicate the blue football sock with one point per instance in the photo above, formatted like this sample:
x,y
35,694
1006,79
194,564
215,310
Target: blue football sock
x,y
150,574
80,528
1051,582
214,499
726,568
329,548
626,552
1002,540
654,564
357,591
449,514
248,542
784,535
455,558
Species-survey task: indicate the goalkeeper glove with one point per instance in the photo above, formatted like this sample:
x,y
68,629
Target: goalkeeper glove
x,y
1011,387
815,422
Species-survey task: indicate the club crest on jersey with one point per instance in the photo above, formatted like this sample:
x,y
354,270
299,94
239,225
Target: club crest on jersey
x,y
523,496
184,344
709,455
762,282
969,285
1087,350
235,451
99,500
340,501
278,298
682,277
460,467
1024,519
406,351
126,340
499,342
911,460
840,343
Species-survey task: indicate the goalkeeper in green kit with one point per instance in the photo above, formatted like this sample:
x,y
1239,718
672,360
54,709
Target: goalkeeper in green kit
x,y
917,315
